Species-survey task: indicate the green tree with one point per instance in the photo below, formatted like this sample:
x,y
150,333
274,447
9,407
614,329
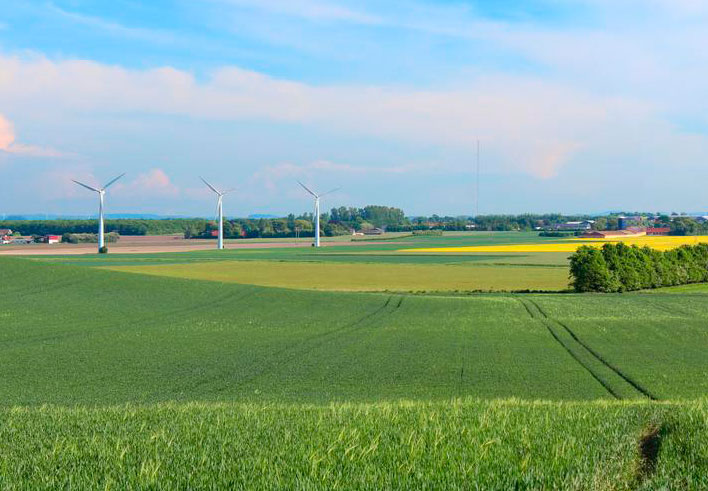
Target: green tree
x,y
589,271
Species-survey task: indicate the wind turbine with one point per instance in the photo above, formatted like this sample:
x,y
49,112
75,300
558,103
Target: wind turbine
x,y
219,211
101,194
317,210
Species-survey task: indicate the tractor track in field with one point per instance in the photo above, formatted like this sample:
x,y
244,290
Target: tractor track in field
x,y
39,289
568,350
552,325
599,356
288,354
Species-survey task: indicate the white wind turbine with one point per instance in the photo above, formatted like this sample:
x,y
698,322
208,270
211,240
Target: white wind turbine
x,y
101,194
317,210
219,211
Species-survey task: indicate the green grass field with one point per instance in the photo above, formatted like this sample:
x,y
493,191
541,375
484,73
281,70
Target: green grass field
x,y
401,445
114,379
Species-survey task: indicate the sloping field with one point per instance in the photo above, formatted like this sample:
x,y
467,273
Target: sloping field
x,y
137,338
401,445
79,335
366,276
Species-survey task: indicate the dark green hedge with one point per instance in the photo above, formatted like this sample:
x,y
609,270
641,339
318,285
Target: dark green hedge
x,y
619,267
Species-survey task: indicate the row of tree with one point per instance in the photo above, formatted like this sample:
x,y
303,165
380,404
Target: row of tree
x,y
619,267
122,226
338,222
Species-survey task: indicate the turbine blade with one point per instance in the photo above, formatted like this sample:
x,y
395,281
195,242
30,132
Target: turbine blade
x,y
307,189
87,186
330,191
210,186
112,181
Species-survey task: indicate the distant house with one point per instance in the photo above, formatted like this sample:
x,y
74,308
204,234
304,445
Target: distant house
x,y
214,233
627,222
373,231
580,225
5,231
658,230
22,240
52,239
613,234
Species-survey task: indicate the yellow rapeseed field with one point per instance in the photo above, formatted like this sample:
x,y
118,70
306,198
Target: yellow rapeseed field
x,y
661,243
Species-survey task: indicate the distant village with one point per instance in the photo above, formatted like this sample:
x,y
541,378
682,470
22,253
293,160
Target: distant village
x,y
8,236
627,226
599,227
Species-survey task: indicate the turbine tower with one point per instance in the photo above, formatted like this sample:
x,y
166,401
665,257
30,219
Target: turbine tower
x,y
219,211
101,194
317,210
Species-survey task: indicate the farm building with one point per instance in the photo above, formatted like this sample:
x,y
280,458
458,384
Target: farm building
x,y
373,231
52,239
629,222
582,225
612,234
22,240
5,235
658,231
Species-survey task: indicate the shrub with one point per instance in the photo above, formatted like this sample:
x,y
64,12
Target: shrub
x,y
619,267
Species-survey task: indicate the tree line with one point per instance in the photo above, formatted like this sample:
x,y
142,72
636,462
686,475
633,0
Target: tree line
x,y
617,267
340,221
120,226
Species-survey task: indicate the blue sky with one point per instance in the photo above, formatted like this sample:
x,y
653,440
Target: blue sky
x,y
578,106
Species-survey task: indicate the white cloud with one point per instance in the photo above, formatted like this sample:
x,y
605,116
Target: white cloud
x,y
153,183
7,134
114,28
520,120
9,145
308,9
272,176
